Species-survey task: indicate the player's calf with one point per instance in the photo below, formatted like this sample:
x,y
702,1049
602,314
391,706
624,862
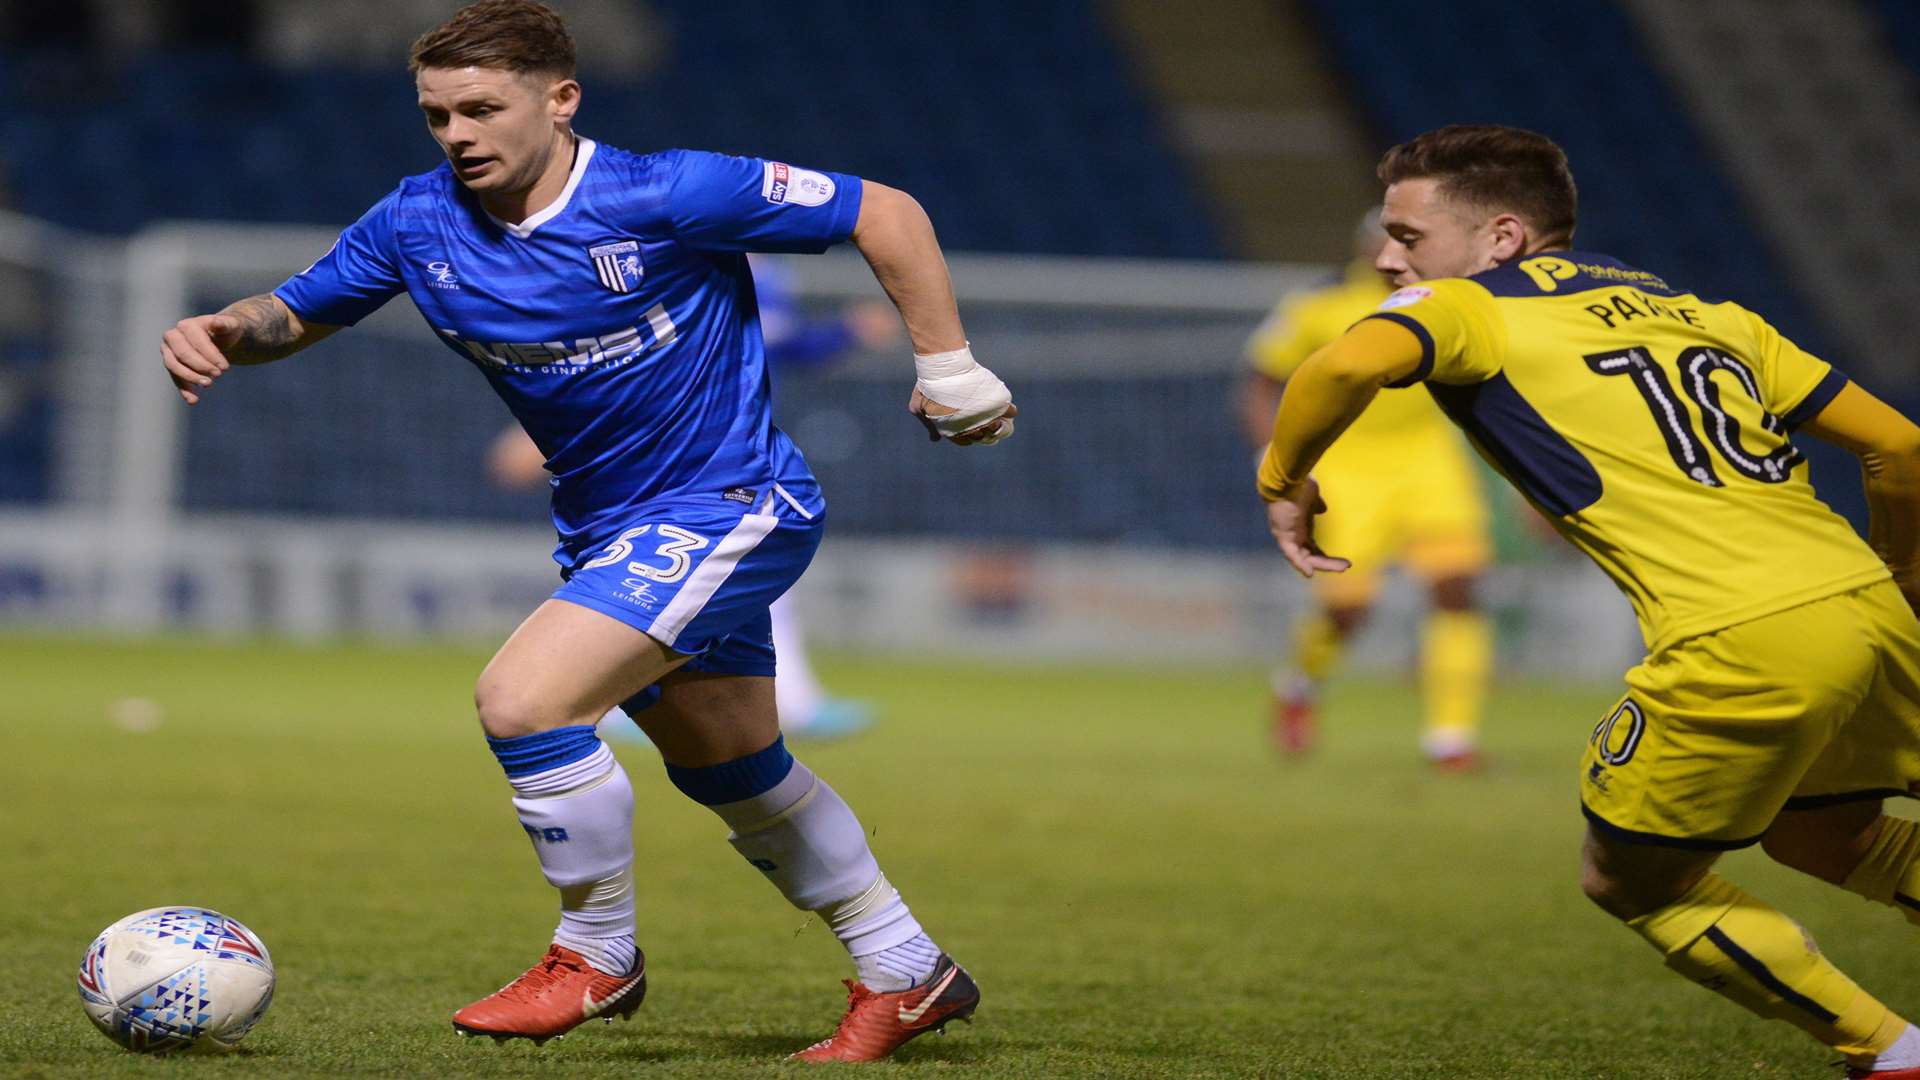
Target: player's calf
x,y
576,805
794,828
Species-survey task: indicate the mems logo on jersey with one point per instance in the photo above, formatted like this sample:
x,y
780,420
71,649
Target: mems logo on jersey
x,y
782,183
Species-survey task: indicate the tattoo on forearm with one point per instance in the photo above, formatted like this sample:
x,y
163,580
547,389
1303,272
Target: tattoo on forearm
x,y
266,333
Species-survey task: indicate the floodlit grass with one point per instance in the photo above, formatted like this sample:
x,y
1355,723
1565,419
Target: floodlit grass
x,y
1139,887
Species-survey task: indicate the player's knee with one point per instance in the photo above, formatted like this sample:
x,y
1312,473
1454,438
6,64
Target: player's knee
x,y
1347,619
1454,593
1786,848
1630,890
508,712
1607,892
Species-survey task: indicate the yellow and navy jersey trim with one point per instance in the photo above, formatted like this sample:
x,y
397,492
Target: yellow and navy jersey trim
x,y
1564,272
1426,347
1816,401
1685,843
1530,452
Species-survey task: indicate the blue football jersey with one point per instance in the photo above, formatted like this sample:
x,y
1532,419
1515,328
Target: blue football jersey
x,y
619,324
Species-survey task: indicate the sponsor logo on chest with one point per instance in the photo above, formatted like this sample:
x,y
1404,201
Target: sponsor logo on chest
x,y
579,354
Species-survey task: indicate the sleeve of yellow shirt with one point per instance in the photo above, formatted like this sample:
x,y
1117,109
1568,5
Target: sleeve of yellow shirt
x,y
1888,445
1442,330
1329,392
1794,384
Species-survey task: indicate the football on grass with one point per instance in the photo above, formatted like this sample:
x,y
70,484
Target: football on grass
x,y
176,978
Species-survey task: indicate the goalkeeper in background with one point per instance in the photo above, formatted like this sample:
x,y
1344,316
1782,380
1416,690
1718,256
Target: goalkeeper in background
x,y
1402,488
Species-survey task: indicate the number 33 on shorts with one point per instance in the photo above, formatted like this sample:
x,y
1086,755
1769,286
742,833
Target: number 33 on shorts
x,y
692,580
675,547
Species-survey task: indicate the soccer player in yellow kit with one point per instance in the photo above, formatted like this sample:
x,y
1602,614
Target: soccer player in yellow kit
x,y
1779,702
1404,490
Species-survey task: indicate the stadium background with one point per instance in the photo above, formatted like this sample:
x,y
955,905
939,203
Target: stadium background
x,y
1125,186
1145,181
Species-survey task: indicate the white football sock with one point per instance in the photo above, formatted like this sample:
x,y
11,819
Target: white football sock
x,y
805,838
890,951
808,842
580,818
1903,1054
900,968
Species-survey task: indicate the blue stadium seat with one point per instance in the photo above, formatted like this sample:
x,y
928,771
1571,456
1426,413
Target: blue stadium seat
x,y
1005,122
1651,192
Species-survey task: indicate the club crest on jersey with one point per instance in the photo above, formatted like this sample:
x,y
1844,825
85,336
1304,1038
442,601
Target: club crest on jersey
x,y
782,183
618,265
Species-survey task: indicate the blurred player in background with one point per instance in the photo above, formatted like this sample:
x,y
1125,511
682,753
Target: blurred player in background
x,y
1400,487
605,296
1779,702
794,341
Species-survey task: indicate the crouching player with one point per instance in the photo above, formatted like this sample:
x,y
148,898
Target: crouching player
x,y
605,296
1779,702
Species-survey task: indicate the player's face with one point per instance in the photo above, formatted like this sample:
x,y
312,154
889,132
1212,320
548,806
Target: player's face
x,y
496,127
1432,236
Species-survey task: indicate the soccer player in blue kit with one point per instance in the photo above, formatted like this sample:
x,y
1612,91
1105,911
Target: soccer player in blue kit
x,y
606,297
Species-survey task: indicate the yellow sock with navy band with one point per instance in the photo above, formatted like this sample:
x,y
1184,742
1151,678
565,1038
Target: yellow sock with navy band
x,y
1889,873
1456,660
1747,952
1316,647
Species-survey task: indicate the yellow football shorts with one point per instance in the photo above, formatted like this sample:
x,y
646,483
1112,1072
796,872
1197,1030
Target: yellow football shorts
x,y
1815,705
1424,511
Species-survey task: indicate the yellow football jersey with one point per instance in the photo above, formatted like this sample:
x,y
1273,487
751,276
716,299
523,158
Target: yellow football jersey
x,y
1400,425
1651,425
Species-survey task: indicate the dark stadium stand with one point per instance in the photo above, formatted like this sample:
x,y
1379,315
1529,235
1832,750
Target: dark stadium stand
x,y
1650,193
1020,129
1901,32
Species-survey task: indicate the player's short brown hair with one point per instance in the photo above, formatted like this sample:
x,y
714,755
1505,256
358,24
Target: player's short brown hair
x,y
521,36
1494,167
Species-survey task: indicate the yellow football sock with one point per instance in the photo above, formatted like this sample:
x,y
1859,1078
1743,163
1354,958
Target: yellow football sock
x,y
1745,951
1316,647
1456,658
1889,873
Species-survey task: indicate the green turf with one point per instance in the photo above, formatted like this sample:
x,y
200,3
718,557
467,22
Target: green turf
x,y
1139,888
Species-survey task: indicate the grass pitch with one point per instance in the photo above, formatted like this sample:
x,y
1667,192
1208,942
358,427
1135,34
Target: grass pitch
x,y
1139,888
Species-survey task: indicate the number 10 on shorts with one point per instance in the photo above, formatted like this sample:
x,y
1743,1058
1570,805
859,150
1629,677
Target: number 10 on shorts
x,y
675,547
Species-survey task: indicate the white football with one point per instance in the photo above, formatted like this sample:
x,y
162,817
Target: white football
x,y
176,978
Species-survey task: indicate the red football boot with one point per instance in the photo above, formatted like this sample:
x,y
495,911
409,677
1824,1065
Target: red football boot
x,y
1458,762
877,1024
1883,1074
1294,713
553,997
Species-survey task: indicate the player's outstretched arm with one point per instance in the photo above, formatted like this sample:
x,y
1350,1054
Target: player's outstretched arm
x,y
1888,445
954,395
258,329
1326,395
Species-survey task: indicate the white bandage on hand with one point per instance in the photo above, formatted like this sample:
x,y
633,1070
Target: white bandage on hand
x,y
955,380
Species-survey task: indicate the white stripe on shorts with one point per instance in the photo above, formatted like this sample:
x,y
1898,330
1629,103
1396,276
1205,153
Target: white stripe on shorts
x,y
711,574
795,503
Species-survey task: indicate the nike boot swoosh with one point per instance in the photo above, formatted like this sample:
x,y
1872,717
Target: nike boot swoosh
x,y
592,1008
909,1016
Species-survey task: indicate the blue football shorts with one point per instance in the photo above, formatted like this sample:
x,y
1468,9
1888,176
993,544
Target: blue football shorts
x,y
699,578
